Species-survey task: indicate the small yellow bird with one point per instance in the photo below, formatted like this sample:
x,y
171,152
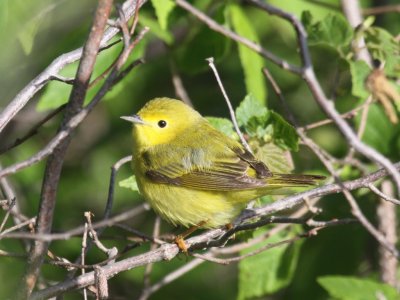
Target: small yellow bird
x,y
193,174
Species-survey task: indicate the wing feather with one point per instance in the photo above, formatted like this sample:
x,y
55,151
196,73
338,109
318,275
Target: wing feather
x,y
199,169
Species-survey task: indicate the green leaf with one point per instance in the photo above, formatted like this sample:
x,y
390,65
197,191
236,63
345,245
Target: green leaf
x,y
224,125
31,18
268,271
285,135
277,159
359,72
379,131
353,288
27,34
129,183
265,125
163,9
156,29
248,109
333,31
251,62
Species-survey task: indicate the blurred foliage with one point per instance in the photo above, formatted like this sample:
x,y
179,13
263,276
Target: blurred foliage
x,y
34,33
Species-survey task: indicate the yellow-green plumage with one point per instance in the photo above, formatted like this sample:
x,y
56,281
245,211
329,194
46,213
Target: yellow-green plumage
x,y
190,172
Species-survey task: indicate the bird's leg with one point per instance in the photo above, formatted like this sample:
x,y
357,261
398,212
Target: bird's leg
x,y
180,238
228,227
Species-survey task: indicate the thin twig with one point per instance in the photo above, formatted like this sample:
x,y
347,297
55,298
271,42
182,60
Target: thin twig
x,y
18,226
384,9
33,130
83,253
347,115
228,103
180,90
172,276
10,205
126,215
110,252
382,195
140,234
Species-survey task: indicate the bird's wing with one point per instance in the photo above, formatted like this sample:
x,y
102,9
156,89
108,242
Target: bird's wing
x,y
231,169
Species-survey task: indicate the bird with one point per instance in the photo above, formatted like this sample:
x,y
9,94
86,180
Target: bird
x,y
194,175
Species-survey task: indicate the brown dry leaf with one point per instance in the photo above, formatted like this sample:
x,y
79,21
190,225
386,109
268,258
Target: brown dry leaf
x,y
383,90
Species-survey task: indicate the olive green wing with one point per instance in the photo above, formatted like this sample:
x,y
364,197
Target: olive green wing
x,y
231,169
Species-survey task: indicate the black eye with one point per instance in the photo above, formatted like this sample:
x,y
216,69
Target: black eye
x,y
162,123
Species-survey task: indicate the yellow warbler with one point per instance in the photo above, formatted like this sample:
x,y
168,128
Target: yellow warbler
x,y
191,173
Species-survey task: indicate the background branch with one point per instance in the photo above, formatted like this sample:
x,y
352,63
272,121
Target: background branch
x,y
54,164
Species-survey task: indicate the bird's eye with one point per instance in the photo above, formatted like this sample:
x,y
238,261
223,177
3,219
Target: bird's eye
x,y
162,123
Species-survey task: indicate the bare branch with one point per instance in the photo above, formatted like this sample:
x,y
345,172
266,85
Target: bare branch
x,y
78,230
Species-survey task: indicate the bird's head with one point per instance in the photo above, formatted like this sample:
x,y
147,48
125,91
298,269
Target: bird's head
x,y
161,121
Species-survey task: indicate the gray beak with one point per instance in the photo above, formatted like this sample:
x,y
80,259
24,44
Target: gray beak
x,y
133,119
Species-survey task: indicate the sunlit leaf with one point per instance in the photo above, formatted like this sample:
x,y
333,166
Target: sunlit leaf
x,y
353,288
359,71
224,125
332,31
252,63
163,9
129,183
269,271
266,125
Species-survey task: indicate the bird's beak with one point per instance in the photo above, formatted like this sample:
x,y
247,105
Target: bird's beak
x,y
133,119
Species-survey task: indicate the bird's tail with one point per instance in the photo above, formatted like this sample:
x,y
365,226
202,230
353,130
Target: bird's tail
x,y
284,184
293,180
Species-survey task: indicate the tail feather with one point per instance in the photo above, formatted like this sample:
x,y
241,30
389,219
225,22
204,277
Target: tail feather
x,y
293,180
